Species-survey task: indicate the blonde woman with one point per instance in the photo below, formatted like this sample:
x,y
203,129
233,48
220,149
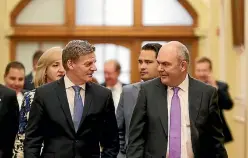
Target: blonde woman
x,y
49,68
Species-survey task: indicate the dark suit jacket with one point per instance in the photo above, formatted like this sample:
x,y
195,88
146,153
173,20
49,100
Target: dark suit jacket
x,y
225,102
148,135
29,84
9,114
50,122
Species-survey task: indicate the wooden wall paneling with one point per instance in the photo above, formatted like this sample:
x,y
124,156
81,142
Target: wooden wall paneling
x,y
135,51
12,50
117,41
103,32
156,31
137,13
193,55
238,24
70,14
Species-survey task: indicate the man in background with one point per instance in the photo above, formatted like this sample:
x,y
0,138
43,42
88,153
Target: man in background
x,y
112,70
203,72
9,114
148,70
14,79
29,84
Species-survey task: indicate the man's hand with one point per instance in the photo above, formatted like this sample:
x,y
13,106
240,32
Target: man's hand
x,y
212,81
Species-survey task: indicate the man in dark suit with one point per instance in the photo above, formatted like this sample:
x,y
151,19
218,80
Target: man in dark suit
x,y
203,72
29,84
148,70
73,115
112,70
176,116
9,114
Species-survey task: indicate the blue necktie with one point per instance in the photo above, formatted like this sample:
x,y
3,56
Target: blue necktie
x,y
175,126
78,107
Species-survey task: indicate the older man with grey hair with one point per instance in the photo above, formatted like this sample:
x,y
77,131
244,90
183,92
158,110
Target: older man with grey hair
x,y
72,115
175,115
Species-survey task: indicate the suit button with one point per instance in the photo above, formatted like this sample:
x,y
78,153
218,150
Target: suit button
x,y
76,141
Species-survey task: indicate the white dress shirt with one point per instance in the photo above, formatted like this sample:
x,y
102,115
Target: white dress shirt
x,y
186,145
70,93
20,98
116,93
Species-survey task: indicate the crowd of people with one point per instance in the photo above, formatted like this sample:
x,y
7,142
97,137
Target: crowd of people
x,y
59,110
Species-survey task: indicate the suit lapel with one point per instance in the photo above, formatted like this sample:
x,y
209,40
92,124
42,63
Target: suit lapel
x,y
87,101
135,92
162,105
195,97
61,93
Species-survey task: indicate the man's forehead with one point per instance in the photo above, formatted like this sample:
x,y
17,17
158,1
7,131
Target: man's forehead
x,y
109,68
14,75
152,52
110,65
91,59
167,55
203,65
15,70
147,54
147,58
87,58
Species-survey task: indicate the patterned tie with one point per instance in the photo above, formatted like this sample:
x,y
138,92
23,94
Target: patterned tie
x,y
78,107
175,126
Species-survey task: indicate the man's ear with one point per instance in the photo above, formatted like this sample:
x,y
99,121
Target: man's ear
x,y
70,64
184,65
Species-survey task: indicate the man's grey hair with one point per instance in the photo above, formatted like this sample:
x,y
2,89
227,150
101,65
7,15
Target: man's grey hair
x,y
183,53
74,49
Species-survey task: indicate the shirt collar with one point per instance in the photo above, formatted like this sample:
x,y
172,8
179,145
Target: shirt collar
x,y
117,85
20,94
184,86
69,84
